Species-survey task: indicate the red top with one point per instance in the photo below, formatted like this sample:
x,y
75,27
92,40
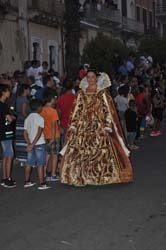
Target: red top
x,y
82,74
141,102
65,103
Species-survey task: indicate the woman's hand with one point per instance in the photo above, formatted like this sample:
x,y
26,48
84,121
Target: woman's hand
x,y
109,130
71,129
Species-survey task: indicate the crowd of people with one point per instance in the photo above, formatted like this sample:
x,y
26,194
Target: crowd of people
x,y
33,99
139,91
55,123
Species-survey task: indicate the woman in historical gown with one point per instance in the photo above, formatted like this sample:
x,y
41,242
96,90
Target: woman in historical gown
x,y
95,152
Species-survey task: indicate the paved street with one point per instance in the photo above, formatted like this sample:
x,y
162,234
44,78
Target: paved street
x,y
116,217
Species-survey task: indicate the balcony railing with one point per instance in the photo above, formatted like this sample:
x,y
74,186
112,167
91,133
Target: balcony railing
x,y
111,18
52,6
105,13
132,25
161,10
7,5
4,2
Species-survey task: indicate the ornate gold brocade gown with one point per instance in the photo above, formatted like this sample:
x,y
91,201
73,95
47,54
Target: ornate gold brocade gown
x,y
93,155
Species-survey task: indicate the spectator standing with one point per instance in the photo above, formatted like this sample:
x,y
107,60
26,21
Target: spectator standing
x,y
64,107
49,87
52,136
157,111
33,87
6,137
122,104
22,111
130,63
34,137
131,124
142,106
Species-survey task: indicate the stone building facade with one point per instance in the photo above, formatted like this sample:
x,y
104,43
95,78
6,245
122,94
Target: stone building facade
x,y
30,30
161,17
33,29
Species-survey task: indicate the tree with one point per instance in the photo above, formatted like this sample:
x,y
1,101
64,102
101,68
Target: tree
x,y
72,35
99,51
155,47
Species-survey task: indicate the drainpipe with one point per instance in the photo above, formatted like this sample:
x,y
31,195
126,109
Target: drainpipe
x,y
154,15
62,49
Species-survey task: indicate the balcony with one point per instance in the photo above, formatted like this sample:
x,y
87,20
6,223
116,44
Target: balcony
x,y
105,14
53,7
4,6
110,19
49,13
161,11
8,5
132,26
4,3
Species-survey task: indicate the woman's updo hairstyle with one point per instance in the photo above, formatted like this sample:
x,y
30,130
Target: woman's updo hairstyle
x,y
94,70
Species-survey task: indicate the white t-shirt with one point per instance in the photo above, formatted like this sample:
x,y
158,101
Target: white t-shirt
x,y
31,125
35,72
122,103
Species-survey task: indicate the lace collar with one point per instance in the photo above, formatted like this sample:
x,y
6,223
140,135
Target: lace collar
x,y
103,82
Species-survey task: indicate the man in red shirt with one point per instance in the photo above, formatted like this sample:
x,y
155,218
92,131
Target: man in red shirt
x,y
64,107
142,107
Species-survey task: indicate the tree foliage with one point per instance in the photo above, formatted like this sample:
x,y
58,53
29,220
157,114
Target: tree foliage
x,y
155,47
99,51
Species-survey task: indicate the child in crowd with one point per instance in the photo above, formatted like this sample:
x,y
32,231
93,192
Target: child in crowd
x,y
52,136
142,107
6,137
34,137
157,111
131,124
122,104
64,107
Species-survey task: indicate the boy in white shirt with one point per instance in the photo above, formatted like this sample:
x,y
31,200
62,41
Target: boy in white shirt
x,y
34,137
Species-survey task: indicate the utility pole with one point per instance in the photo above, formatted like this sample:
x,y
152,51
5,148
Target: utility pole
x,y
23,31
72,36
154,15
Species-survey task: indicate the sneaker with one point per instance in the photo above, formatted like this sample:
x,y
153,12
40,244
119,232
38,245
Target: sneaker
x,y
9,184
154,133
158,132
48,178
54,178
29,184
13,181
3,182
134,147
43,186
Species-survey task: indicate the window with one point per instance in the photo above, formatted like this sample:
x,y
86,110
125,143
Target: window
x,y
52,55
36,51
150,20
145,19
35,4
124,8
164,29
138,14
159,27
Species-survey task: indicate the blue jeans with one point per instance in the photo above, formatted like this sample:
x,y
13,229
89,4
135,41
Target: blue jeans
x,y
7,147
131,137
37,157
